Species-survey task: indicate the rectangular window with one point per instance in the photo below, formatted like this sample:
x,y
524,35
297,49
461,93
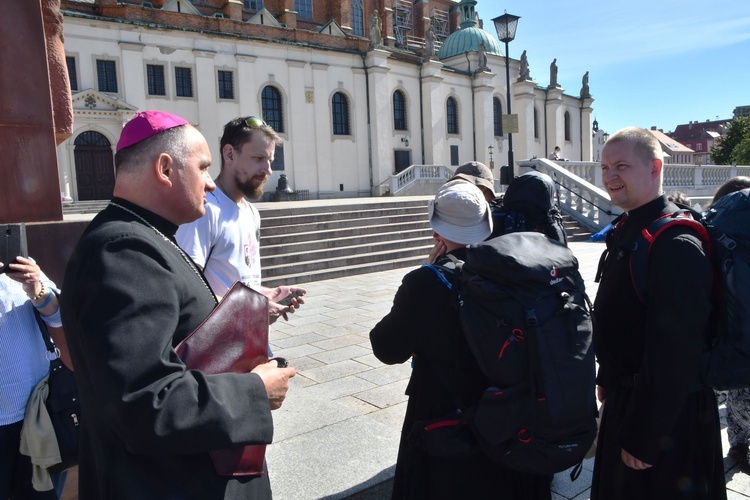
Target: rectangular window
x,y
183,80
253,5
278,158
106,75
155,76
72,73
303,8
454,155
226,84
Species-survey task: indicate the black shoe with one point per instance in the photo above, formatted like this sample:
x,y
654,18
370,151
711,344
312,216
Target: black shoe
x,y
741,454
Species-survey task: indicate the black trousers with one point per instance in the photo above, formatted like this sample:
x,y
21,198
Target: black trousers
x,y
16,470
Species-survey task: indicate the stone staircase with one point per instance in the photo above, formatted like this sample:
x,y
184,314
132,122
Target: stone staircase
x,y
322,240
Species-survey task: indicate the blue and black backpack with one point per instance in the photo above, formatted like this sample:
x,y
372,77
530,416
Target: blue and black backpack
x,y
725,231
526,317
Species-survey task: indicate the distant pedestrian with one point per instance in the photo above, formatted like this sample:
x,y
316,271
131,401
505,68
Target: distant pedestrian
x,y
659,436
555,154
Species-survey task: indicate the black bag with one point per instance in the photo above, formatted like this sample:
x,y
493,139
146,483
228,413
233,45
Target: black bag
x,y
725,232
62,405
526,318
529,204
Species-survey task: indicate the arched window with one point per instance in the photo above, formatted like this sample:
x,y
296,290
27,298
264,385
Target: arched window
x,y
399,110
451,109
536,124
340,114
91,138
272,108
567,126
358,18
497,109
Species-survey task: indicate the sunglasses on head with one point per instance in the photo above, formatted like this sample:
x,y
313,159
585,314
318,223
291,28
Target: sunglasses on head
x,y
255,122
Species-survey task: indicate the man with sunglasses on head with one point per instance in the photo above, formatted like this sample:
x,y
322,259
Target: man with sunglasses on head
x,y
225,241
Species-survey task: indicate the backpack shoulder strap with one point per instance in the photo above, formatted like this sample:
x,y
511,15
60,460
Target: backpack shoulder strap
x,y
639,257
446,269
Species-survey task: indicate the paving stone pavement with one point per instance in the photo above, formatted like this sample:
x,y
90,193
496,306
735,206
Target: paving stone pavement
x,y
336,436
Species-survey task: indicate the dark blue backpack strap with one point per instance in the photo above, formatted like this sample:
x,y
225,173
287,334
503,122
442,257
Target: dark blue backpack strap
x,y
446,269
641,251
441,271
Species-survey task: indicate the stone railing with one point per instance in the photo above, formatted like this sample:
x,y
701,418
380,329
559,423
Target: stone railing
x,y
416,172
580,185
695,180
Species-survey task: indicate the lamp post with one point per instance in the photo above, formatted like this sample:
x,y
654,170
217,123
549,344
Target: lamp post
x,y
506,31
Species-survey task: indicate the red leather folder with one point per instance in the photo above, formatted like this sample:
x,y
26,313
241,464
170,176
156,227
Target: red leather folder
x,y
232,339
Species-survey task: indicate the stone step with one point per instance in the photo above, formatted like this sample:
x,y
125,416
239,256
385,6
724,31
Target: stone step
x,y
339,216
314,235
338,272
313,225
334,244
392,245
294,265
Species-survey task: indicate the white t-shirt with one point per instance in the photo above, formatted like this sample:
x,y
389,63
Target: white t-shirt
x,y
228,237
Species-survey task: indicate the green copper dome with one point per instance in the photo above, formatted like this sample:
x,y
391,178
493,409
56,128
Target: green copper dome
x,y
467,40
469,36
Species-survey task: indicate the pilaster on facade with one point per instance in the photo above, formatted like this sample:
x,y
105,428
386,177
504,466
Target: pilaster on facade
x,y
380,114
524,102
554,118
483,114
303,113
246,98
206,87
377,60
320,134
433,106
587,140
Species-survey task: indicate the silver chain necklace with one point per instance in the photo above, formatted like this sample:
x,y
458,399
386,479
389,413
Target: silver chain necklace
x,y
182,253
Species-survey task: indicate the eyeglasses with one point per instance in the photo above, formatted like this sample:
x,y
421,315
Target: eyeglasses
x,y
255,122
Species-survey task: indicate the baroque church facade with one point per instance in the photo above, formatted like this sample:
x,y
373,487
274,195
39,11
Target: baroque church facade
x,y
358,90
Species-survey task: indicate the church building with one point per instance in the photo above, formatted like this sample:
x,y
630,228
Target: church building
x,y
359,90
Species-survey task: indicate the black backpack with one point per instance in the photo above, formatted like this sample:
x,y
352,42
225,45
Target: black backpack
x,y
529,204
725,232
526,318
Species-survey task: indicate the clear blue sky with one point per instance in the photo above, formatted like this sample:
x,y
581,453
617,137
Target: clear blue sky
x,y
650,62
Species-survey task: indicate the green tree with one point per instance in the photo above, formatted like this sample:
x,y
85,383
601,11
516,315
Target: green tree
x,y
741,152
738,133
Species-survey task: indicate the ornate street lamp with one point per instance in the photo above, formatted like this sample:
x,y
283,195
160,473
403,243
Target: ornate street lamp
x,y
506,31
